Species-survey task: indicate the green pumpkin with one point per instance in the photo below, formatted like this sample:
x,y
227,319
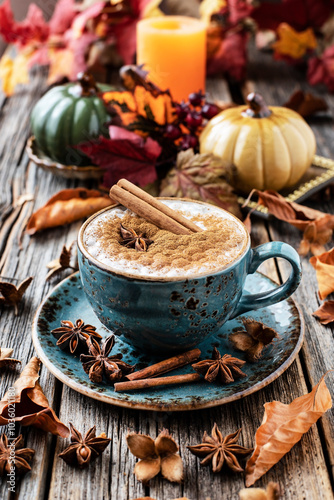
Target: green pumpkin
x,y
68,115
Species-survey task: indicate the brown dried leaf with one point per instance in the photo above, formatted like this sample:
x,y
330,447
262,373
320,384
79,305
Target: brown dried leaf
x,y
283,426
31,404
67,206
325,313
253,340
5,358
317,226
272,492
201,177
305,103
324,266
12,295
155,456
68,259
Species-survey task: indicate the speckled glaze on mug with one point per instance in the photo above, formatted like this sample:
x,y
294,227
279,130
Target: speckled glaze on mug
x,y
174,314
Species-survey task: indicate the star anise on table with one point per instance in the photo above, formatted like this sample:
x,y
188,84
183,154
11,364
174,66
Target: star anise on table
x,y
217,450
5,358
21,456
254,339
223,369
133,240
68,259
73,337
12,295
98,362
82,451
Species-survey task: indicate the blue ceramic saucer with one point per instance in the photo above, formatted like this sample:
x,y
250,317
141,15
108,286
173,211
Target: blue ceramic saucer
x,y
67,301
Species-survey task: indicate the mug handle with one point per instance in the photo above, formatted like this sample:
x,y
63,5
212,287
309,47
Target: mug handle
x,y
250,302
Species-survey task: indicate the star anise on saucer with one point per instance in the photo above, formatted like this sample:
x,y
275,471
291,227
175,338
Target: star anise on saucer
x,y
133,240
21,456
254,339
73,337
223,369
217,450
98,362
82,450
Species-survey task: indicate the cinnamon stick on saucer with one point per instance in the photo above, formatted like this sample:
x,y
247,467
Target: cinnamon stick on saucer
x,y
151,209
166,365
147,383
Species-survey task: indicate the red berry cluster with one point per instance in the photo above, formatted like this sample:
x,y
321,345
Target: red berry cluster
x,y
191,116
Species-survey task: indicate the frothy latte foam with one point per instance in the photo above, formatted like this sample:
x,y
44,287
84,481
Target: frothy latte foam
x,y
222,241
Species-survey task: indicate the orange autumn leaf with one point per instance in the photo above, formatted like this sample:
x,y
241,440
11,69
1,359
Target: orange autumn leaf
x,y
282,427
67,206
61,63
31,404
14,71
317,226
293,43
324,266
325,313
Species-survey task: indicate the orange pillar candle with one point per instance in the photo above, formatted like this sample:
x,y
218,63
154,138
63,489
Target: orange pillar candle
x,y
173,50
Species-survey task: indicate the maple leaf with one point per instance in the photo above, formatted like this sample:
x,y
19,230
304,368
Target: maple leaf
x,y
230,57
325,313
125,154
32,29
13,71
321,69
292,43
282,427
12,295
324,266
62,17
201,177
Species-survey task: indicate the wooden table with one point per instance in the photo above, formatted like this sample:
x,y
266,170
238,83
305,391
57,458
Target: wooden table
x,y
304,473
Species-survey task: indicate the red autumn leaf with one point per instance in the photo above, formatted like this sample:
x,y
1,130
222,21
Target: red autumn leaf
x,y
62,17
231,56
31,404
317,226
32,29
125,154
324,266
325,313
321,69
67,206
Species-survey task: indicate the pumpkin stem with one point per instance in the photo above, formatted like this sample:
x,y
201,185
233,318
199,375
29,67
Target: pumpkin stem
x,y
257,107
87,84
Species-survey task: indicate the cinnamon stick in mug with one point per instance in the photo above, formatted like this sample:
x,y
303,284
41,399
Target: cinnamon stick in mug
x,y
147,383
166,365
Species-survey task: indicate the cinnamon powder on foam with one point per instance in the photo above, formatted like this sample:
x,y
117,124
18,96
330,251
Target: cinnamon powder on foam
x,y
213,248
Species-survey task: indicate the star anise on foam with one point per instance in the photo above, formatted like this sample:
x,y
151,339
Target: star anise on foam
x,y
21,456
159,455
133,240
83,450
73,337
217,450
252,341
223,369
98,362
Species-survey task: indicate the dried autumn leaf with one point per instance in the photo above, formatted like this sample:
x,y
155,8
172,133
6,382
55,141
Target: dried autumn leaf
x,y
201,177
67,206
292,43
31,404
324,266
325,313
317,226
272,492
68,259
5,358
125,154
12,295
155,456
282,427
305,103
13,72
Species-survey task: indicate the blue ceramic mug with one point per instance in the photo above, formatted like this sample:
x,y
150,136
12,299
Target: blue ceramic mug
x,y
175,314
